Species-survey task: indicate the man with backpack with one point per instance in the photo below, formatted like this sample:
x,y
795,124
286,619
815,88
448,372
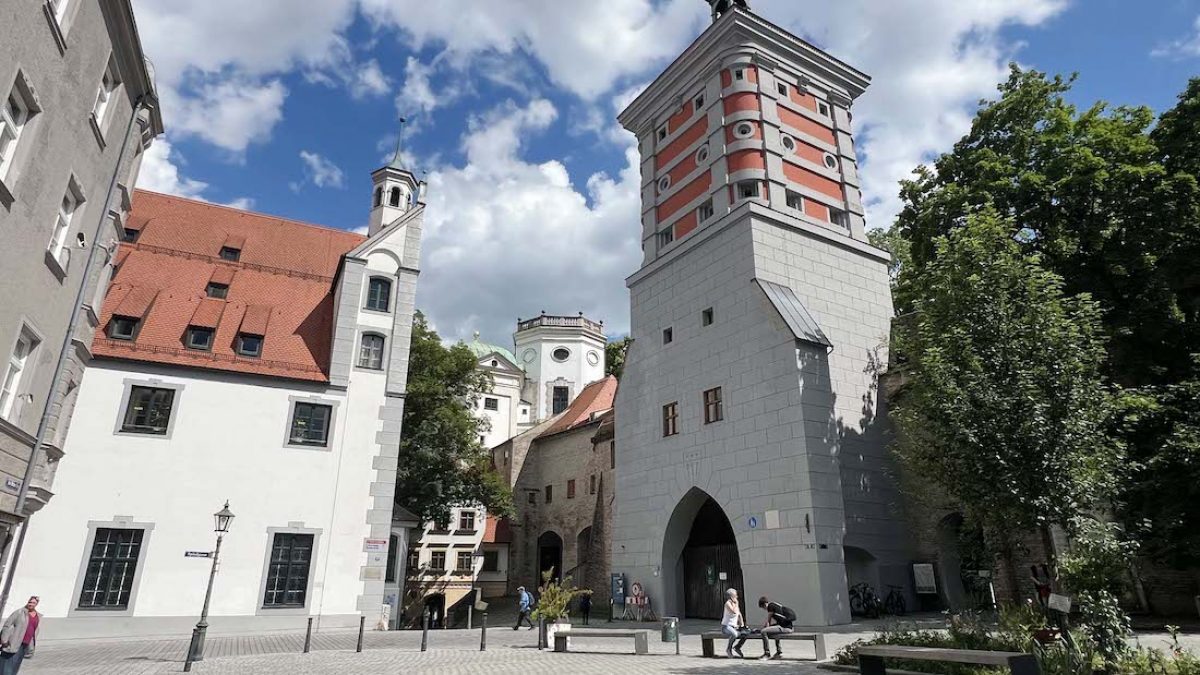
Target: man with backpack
x,y
780,620
524,607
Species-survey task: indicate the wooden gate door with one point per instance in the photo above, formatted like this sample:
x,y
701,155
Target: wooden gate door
x,y
703,587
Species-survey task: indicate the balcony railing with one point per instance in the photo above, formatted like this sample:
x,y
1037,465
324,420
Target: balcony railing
x,y
561,322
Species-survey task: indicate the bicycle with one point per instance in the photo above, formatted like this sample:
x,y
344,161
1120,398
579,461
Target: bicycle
x,y
864,601
894,603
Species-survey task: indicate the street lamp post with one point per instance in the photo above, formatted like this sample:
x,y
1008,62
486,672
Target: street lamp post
x,y
476,556
222,519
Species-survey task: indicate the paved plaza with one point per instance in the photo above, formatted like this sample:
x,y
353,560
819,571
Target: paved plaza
x,y
450,651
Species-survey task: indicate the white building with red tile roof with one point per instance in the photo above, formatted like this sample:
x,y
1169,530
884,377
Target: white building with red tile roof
x,y
248,358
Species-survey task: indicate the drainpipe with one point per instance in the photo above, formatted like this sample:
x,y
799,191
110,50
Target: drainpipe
x,y
63,356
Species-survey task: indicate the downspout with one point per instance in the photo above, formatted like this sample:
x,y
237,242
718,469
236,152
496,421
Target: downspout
x,y
63,356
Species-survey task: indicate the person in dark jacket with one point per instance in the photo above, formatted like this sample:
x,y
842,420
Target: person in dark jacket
x,y
585,607
780,620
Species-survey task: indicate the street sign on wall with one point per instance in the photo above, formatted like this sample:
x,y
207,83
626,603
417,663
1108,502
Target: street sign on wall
x,y
197,554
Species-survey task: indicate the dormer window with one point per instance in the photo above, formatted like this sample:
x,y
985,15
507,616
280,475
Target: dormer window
x,y
122,327
199,338
379,294
230,253
249,345
216,290
130,235
394,197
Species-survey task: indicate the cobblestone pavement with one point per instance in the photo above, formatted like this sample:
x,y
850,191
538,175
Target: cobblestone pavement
x,y
450,651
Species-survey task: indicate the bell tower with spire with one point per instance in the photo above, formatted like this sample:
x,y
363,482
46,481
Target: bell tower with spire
x,y
394,189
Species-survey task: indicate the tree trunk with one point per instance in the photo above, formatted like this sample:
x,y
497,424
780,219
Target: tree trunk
x,y
1014,588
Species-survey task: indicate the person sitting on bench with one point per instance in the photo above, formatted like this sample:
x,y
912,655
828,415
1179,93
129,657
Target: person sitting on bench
x,y
780,620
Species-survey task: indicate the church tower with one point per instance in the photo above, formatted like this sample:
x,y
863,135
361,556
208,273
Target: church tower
x,y
749,440
560,356
394,190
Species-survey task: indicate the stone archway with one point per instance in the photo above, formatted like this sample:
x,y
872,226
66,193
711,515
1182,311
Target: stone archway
x,y
700,558
550,555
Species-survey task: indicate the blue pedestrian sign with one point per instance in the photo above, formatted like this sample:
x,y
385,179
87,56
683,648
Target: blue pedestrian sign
x,y
753,522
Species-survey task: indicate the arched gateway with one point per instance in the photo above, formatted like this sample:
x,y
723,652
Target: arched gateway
x,y
700,557
550,555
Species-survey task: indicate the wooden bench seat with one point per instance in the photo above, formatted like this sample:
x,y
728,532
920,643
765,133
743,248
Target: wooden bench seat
x,y
641,641
818,639
870,658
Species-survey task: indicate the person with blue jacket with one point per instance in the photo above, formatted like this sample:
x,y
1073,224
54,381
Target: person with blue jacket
x,y
524,607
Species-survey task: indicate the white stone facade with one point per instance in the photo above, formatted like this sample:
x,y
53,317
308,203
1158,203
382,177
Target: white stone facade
x,y
563,352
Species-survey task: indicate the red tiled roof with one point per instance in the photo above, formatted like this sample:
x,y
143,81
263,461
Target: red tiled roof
x,y
282,284
596,397
497,531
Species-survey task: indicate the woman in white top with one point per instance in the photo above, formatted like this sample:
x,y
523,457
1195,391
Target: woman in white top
x,y
731,621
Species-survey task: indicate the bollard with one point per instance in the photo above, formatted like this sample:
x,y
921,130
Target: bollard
x,y
362,621
483,634
425,630
541,632
308,635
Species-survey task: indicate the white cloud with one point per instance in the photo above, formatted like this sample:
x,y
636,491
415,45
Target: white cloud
x,y
228,113
1186,47
321,171
369,80
159,172
505,237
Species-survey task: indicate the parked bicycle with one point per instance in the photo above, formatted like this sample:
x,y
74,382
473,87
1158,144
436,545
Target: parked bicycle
x,y
864,601
894,604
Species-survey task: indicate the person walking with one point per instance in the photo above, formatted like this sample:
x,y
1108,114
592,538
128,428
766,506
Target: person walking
x,y
731,621
18,637
585,607
780,620
524,607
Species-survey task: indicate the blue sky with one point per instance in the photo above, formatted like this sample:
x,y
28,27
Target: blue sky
x,y
533,199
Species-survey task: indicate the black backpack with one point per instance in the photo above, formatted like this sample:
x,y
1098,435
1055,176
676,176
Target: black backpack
x,y
785,616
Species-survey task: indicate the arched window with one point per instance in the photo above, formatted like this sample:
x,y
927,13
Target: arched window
x,y
394,197
379,294
378,196
370,352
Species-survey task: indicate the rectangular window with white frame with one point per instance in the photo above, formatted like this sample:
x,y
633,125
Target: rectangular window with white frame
x,y
105,97
18,375
67,208
14,119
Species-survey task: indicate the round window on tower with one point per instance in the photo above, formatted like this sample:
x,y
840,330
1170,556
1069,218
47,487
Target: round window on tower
x,y
789,143
702,154
561,354
743,130
528,355
664,183
593,358
830,161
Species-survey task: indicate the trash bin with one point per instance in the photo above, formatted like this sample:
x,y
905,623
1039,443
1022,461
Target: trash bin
x,y
670,629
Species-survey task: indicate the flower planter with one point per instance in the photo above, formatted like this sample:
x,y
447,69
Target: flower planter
x,y
552,628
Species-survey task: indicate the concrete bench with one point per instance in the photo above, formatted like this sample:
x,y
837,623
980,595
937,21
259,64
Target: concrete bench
x,y
818,640
641,643
870,658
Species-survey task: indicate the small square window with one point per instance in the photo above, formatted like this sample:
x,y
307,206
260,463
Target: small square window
x,y
839,218
148,410
662,132
823,108
571,488
466,520
738,74
249,345
437,561
794,200
465,562
706,317
490,403
698,102
199,338
215,290
782,88
705,211
130,235
310,424
549,494
532,497
230,253
747,189
592,486
668,336
122,327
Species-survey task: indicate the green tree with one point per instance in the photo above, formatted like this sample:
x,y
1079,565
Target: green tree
x,y
1089,191
1005,407
441,462
614,356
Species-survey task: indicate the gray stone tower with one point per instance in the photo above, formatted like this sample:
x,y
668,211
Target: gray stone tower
x,y
750,449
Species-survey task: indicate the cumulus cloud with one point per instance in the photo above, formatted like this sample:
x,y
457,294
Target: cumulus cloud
x,y
159,172
321,171
506,237
1185,47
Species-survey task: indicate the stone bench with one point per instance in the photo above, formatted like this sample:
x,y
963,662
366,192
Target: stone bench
x,y
818,640
870,658
641,642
